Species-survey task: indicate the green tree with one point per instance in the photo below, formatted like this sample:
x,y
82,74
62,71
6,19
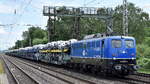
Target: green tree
x,y
37,41
34,34
138,20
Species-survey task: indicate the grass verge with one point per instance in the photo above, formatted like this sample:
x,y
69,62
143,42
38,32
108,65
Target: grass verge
x,y
1,67
141,70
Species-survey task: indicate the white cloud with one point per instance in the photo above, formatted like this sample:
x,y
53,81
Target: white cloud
x,y
6,9
147,6
2,30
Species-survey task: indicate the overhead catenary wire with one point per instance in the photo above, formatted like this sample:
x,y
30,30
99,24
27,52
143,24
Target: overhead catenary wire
x,y
35,8
15,20
24,10
89,2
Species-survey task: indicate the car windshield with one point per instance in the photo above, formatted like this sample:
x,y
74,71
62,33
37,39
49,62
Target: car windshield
x,y
129,43
116,43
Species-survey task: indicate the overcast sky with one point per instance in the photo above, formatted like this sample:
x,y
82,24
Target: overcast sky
x,y
30,12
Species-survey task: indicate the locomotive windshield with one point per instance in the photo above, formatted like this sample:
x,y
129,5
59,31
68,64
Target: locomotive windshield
x,y
116,43
129,43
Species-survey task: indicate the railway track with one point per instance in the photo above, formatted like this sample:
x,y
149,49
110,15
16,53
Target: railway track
x,y
69,73
143,75
140,77
58,75
18,74
132,79
40,76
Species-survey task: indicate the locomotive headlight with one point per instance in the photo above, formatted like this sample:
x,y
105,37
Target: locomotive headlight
x,y
132,58
114,58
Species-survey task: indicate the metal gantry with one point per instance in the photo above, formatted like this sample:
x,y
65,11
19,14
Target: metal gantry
x,y
76,12
87,12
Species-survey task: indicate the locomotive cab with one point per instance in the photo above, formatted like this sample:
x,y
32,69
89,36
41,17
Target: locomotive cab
x,y
122,52
122,48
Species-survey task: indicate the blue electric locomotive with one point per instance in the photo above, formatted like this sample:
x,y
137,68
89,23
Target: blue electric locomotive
x,y
113,54
108,54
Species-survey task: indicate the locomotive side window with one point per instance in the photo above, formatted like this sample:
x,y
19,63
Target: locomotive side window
x,y
97,43
116,43
88,45
129,43
84,45
102,43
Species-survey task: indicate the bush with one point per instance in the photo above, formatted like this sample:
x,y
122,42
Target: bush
x,y
147,41
143,56
147,65
140,50
37,41
147,53
144,63
143,51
